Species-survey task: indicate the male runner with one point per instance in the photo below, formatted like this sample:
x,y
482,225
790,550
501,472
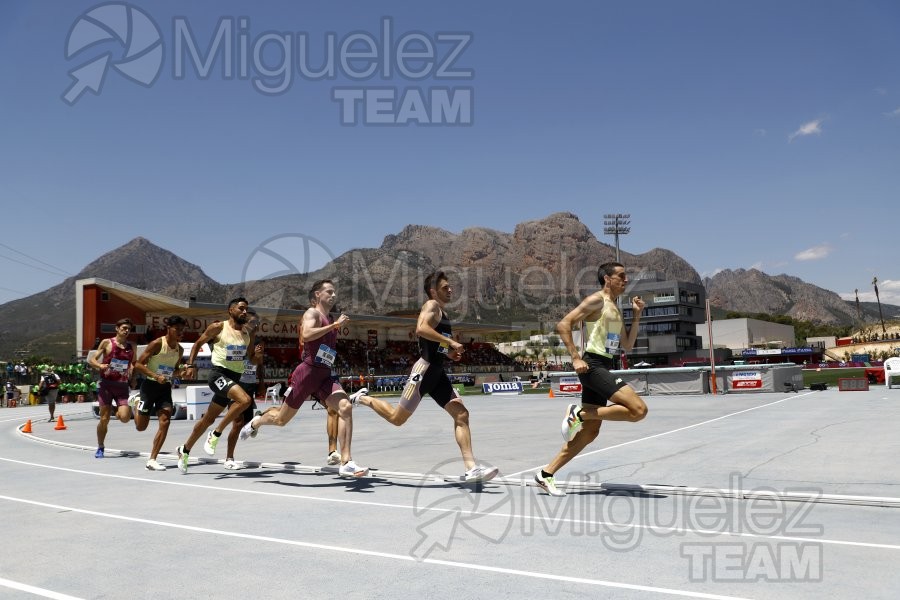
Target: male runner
x,y
428,377
604,328
313,376
231,345
115,360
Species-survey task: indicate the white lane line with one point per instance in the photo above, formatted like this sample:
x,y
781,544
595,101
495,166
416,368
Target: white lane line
x,y
24,587
386,555
538,517
650,437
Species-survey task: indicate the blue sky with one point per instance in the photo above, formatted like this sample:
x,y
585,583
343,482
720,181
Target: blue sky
x,y
757,134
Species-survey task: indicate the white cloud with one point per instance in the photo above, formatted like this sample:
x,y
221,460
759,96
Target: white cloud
x,y
881,91
759,132
814,253
894,113
757,265
811,128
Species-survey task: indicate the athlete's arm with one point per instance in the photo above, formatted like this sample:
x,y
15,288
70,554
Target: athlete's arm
x,y
101,352
310,329
591,305
141,367
429,317
211,333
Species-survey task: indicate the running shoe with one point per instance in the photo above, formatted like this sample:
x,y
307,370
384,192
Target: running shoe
x,y
351,469
354,397
183,458
209,446
231,465
571,425
98,453
248,430
548,484
479,474
334,459
152,465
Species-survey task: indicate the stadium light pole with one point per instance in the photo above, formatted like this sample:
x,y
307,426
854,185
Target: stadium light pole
x,y
877,298
616,225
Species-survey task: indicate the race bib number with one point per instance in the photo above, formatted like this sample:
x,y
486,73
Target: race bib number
x,y
249,375
117,365
325,356
235,352
166,371
444,347
612,342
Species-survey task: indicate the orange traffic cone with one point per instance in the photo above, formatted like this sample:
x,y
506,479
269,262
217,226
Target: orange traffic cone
x,y
27,428
551,394
60,424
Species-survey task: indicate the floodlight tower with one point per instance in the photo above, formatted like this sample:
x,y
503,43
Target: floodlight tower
x,y
878,298
616,225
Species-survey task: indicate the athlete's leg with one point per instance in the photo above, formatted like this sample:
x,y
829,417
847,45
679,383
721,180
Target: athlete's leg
x,y
340,404
103,425
587,434
461,430
626,406
331,429
240,401
393,414
204,423
278,416
163,415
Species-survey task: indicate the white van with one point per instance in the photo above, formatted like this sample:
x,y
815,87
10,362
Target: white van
x,y
179,393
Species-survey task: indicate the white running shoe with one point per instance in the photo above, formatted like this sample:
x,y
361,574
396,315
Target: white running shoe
x,y
572,423
231,464
152,465
209,446
183,458
248,430
548,484
334,459
479,474
351,469
354,397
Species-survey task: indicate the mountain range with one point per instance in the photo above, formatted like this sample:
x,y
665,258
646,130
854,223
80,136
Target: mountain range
x,y
530,276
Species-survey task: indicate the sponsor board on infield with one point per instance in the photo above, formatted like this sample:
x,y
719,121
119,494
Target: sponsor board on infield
x,y
570,384
502,387
742,380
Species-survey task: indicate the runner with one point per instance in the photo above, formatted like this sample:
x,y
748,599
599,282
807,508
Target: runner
x,y
604,328
231,345
251,381
160,364
114,359
428,377
313,376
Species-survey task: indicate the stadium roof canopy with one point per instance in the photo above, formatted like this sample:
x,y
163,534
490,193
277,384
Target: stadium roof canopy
x,y
152,302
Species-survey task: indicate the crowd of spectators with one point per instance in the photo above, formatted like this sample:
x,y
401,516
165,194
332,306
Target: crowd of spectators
x,y
876,337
